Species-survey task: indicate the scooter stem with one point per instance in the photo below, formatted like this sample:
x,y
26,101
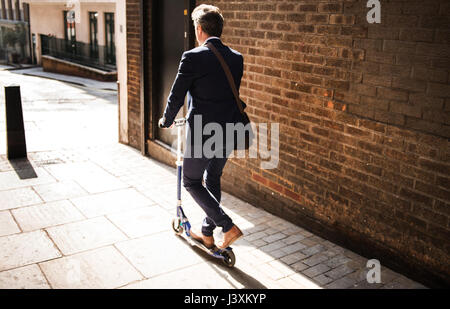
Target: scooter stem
x,y
179,123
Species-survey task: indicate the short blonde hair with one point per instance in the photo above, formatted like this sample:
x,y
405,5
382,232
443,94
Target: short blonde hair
x,y
210,18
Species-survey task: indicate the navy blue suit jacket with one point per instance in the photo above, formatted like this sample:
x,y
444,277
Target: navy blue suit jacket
x,y
203,79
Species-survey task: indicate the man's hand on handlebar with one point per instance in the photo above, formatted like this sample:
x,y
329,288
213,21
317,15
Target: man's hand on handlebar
x,y
161,123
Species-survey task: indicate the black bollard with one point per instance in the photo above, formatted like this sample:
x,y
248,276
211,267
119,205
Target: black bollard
x,y
15,131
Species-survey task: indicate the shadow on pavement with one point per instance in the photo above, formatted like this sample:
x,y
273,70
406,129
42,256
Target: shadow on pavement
x,y
247,281
23,168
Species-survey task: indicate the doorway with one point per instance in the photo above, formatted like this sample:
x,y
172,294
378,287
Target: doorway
x,y
173,33
70,37
109,39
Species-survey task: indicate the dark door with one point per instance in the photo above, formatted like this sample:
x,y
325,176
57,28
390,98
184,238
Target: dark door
x,y
109,39
70,33
45,49
93,30
173,34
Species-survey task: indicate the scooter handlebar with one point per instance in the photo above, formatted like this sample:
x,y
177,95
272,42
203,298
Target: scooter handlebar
x,y
180,122
177,122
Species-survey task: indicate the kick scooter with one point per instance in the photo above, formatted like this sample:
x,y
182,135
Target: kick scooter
x,y
181,222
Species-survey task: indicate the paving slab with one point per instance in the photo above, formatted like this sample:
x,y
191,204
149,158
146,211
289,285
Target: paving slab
x,y
59,191
46,215
142,221
85,235
293,239
293,258
7,224
27,277
337,260
18,198
274,237
270,271
258,243
88,175
15,164
278,254
299,266
339,271
255,236
283,268
211,278
103,268
304,281
316,270
30,177
26,248
342,283
259,257
322,280
316,248
101,183
293,248
273,246
110,202
315,259
159,253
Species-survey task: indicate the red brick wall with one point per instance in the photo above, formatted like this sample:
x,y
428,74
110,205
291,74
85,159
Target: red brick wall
x,y
134,72
364,123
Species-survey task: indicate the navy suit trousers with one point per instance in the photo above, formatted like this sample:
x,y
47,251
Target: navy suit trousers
x,y
194,169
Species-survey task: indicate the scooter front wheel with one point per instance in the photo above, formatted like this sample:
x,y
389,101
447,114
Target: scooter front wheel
x,y
229,258
177,227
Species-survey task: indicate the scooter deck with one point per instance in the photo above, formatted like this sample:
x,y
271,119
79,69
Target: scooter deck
x,y
214,251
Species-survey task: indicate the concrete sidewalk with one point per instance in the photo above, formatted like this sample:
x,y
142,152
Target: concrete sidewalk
x,y
84,211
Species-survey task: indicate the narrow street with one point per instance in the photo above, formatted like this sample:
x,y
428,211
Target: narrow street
x,y
85,211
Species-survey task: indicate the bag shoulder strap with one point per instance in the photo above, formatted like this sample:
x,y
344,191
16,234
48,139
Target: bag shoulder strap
x,y
228,74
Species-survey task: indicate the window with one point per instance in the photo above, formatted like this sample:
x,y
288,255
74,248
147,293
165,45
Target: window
x,y
69,31
109,39
93,42
4,14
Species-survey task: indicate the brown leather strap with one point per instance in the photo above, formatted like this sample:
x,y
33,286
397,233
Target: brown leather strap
x,y
228,74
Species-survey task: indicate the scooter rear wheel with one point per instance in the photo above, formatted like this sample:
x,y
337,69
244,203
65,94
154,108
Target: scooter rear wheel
x,y
176,226
229,258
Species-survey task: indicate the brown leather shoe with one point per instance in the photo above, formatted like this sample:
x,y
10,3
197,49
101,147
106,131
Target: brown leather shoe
x,y
230,237
208,241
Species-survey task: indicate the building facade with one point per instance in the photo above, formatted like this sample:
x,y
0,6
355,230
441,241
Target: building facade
x,y
13,10
363,110
81,32
15,44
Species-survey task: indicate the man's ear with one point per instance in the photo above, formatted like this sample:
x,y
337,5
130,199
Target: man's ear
x,y
199,29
